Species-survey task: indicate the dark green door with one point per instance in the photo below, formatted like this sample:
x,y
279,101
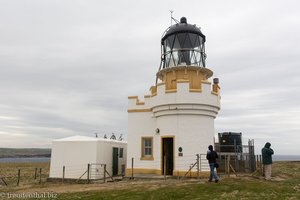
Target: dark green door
x,y
115,161
168,162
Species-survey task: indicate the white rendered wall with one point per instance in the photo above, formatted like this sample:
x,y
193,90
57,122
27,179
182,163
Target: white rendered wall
x,y
105,152
74,155
140,124
187,116
191,132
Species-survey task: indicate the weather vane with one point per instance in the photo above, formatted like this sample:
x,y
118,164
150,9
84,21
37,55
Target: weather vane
x,y
172,18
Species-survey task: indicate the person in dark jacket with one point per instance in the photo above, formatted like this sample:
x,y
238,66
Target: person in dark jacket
x,y
267,153
212,156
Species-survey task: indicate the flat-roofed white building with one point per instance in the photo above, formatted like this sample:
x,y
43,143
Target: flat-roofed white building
x,y
73,154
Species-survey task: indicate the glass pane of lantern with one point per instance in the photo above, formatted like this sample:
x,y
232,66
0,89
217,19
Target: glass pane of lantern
x,y
187,42
198,56
184,57
167,60
195,39
181,38
175,59
167,47
176,44
193,58
169,41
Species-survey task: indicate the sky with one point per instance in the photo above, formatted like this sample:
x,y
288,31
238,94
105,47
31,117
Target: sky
x,y
68,66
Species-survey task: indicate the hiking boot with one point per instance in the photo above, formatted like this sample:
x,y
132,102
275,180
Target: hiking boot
x,y
216,181
209,180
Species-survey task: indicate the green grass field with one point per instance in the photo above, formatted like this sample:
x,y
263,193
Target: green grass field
x,y
285,185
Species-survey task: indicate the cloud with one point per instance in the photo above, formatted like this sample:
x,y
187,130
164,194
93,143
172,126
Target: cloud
x,y
68,67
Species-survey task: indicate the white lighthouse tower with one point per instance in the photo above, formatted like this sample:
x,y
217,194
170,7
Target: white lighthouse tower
x,y
175,120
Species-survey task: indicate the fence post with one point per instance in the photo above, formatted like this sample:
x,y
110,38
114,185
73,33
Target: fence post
x,y
198,167
63,177
165,166
35,173
200,163
228,163
19,174
225,164
104,175
256,159
132,159
261,166
88,173
40,176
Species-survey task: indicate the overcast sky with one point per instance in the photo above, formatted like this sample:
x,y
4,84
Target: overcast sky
x,y
67,67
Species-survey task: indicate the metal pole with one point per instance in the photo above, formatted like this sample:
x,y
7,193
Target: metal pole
x,y
228,163
225,164
40,176
198,167
35,173
63,177
88,173
132,159
19,174
235,154
261,166
200,163
104,175
165,167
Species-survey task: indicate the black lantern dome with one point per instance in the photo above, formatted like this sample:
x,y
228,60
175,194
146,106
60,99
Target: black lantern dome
x,y
183,45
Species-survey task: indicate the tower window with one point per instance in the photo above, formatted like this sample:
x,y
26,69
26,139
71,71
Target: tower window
x,y
147,148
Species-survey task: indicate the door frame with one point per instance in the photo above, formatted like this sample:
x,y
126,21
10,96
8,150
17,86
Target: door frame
x,y
161,152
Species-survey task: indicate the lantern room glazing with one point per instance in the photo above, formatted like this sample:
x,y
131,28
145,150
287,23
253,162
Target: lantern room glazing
x,y
183,44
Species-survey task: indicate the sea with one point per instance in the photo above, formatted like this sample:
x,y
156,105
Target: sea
x,y
286,158
25,160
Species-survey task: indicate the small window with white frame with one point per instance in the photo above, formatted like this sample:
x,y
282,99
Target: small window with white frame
x,y
147,148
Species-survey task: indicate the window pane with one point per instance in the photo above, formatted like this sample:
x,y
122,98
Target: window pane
x,y
147,151
121,153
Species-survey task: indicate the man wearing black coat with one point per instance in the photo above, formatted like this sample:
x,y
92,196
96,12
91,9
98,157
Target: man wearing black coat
x,y
267,153
212,156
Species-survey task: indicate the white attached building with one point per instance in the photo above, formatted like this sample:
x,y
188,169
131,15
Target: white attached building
x,y
73,154
176,119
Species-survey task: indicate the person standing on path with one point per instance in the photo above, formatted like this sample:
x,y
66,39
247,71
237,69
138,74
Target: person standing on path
x,y
267,153
212,156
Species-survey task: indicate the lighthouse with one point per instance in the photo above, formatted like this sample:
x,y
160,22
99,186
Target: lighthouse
x,y
174,121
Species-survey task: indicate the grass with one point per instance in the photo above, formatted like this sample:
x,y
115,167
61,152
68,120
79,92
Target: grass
x,y
27,173
227,189
285,185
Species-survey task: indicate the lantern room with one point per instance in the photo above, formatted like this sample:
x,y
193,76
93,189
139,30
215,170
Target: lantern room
x,y
183,44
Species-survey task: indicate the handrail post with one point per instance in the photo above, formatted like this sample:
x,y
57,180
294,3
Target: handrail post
x,y
165,166
132,160
198,167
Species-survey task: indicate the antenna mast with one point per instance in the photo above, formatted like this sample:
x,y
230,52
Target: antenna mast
x,y
171,12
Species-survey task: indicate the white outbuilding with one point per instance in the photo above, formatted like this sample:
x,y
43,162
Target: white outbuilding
x,y
80,156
